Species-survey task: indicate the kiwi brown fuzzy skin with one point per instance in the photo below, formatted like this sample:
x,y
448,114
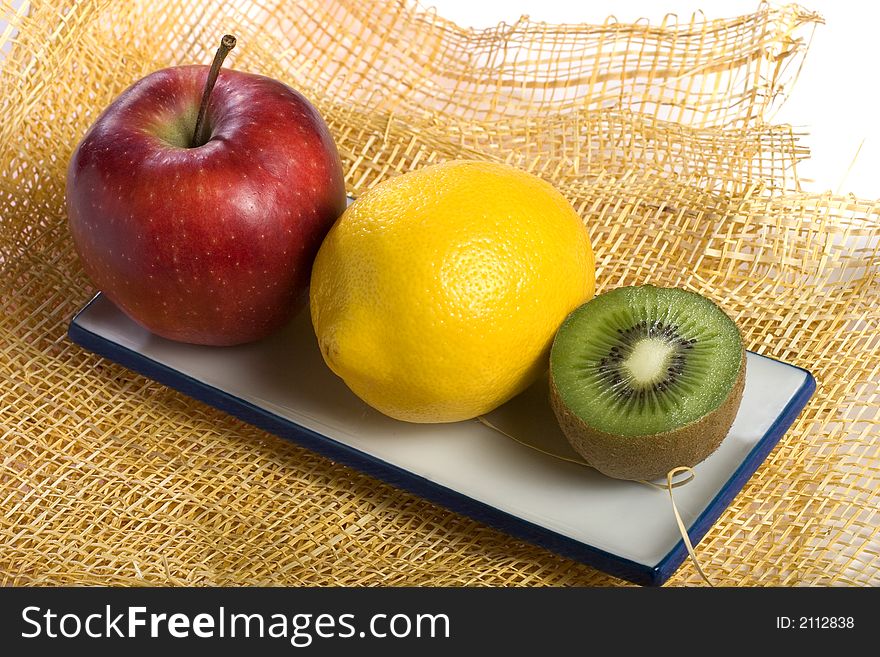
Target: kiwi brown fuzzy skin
x,y
650,456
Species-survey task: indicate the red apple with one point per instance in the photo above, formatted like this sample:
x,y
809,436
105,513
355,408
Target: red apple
x,y
209,242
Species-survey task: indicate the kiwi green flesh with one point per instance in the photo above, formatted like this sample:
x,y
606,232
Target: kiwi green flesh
x,y
650,457
641,361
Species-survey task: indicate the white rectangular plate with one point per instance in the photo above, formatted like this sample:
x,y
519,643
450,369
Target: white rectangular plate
x,y
624,528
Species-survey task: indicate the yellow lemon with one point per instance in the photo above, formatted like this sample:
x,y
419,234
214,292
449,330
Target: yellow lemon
x,y
436,295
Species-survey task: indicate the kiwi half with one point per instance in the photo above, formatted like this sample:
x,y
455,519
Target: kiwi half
x,y
646,379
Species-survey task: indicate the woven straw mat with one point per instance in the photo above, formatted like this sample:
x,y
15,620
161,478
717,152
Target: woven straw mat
x,y
658,134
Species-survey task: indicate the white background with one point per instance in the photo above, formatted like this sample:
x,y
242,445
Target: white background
x,y
835,98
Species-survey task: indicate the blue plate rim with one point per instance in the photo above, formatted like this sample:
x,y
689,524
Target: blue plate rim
x,y
750,464
448,498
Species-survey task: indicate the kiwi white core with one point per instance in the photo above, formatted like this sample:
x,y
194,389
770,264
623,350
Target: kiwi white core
x,y
648,361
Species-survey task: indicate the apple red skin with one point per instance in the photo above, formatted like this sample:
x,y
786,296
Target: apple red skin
x,y
209,245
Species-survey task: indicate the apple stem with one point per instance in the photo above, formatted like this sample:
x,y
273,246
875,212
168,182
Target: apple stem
x,y
227,43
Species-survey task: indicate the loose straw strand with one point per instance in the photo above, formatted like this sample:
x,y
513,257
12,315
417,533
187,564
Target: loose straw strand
x,y
681,526
482,420
670,484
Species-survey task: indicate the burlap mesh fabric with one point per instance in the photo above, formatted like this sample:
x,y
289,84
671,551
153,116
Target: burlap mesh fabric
x,y
659,135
